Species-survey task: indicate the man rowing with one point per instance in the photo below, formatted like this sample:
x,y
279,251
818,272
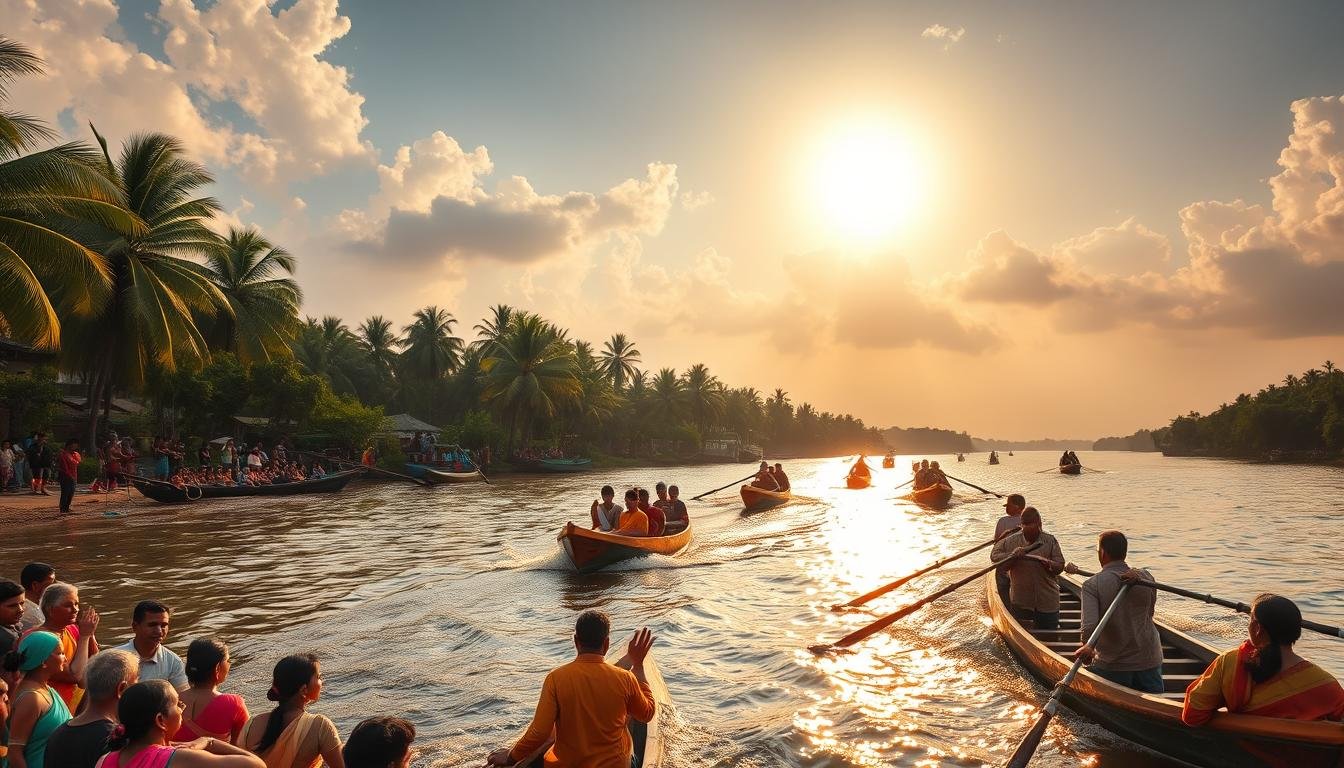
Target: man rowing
x,y
1129,651
1034,561
1012,518
922,475
677,516
781,478
765,479
860,468
588,703
605,511
657,521
936,475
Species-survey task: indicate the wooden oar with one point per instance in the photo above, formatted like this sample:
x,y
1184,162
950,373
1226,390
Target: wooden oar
x,y
976,487
367,469
720,488
891,618
882,590
1052,469
902,485
483,477
1022,755
1324,629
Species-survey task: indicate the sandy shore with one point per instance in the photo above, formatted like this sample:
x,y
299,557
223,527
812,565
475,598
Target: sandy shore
x,y
23,507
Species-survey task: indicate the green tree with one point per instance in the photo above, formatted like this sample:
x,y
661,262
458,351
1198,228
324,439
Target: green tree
x,y
493,327
531,372
328,349
283,392
666,401
263,302
618,358
350,423
31,399
704,397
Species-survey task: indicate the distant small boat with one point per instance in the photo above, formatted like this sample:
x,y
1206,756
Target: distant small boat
x,y
756,499
591,550
1070,469
961,457
936,496
856,482
993,459
553,465
889,462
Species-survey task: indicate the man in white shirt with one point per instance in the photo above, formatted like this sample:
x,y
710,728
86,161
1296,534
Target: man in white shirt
x,y
34,579
149,622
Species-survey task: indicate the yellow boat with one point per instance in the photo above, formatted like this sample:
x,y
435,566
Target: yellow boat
x,y
592,550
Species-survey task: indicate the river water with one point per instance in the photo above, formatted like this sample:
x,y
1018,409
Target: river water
x,y
448,605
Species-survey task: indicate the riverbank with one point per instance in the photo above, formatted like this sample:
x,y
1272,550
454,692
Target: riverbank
x,y
24,507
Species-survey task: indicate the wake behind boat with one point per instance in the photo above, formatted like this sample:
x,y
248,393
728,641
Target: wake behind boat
x,y
168,493
591,550
1155,720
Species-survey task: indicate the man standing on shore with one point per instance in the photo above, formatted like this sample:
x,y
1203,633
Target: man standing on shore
x,y
67,473
39,461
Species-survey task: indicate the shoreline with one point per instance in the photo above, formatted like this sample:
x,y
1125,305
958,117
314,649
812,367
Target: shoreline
x,y
22,507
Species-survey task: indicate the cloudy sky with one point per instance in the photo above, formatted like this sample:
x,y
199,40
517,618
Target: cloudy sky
x,y
1020,220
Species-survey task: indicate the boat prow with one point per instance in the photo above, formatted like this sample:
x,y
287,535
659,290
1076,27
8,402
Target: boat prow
x,y
649,739
1070,469
756,499
936,496
1154,720
591,550
856,482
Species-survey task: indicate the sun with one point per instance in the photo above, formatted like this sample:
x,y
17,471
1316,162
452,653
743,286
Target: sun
x,y
868,182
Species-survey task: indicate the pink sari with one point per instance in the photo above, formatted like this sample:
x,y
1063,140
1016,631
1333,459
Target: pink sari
x,y
153,756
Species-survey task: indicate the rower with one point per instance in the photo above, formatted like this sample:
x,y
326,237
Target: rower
x,y
677,517
1012,518
781,478
1129,651
606,513
765,479
663,502
937,476
633,521
657,520
1033,588
586,704
922,476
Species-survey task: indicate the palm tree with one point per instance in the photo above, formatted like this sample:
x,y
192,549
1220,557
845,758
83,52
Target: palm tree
x,y
492,328
157,289
618,357
667,398
328,349
375,335
263,304
704,396
1329,367
529,372
431,349
39,258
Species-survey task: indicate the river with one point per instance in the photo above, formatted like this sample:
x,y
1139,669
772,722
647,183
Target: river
x,y
448,605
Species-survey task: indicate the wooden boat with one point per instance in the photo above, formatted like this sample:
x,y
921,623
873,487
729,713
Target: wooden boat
x,y
553,465
756,499
1154,720
169,494
889,462
858,481
591,550
993,460
649,740
1070,469
961,457
935,496
437,475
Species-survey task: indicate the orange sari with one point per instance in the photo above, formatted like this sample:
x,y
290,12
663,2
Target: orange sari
x,y
1301,692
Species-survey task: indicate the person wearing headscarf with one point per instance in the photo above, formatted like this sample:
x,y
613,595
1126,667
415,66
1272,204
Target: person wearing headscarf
x,y
38,709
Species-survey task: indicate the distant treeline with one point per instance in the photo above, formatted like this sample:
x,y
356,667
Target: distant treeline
x,y
1046,444
1143,440
1301,418
918,440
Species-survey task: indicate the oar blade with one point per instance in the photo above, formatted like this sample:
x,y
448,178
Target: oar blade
x,y
1023,754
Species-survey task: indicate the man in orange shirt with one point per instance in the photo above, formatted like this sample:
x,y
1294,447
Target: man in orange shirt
x,y
633,521
586,705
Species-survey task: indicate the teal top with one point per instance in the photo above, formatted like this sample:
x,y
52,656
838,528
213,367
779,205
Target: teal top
x,y
35,751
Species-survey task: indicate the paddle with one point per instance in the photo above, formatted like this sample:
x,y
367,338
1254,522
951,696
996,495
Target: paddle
x,y
1022,755
976,487
861,599
1052,469
1324,629
720,488
367,469
891,618
902,485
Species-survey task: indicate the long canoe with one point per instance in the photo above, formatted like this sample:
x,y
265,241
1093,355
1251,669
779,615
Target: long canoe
x,y
756,499
1070,469
858,481
649,740
169,494
933,496
591,550
1154,720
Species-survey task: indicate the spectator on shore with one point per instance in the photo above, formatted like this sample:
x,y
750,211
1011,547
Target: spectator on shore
x,y
74,627
67,473
379,742
206,711
149,628
149,712
80,741
290,736
6,465
39,460
35,578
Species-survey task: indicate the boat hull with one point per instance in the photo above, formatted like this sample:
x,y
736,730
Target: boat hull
x,y
888,463
756,499
440,476
591,550
1071,469
649,739
936,496
167,494
856,482
1155,720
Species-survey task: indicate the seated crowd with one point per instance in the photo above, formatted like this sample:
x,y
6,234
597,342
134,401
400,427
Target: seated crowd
x,y
640,516
66,703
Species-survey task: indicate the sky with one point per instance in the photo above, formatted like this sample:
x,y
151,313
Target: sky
x,y
1018,220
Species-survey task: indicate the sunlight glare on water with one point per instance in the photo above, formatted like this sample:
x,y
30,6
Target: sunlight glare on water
x,y
449,605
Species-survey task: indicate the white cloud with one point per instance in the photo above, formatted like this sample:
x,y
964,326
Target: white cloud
x,y
303,117
944,34
691,201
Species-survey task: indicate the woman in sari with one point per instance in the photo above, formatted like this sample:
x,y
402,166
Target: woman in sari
x,y
38,709
289,736
74,628
149,712
206,711
1264,676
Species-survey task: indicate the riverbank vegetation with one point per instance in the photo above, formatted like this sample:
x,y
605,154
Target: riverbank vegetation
x,y
109,256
